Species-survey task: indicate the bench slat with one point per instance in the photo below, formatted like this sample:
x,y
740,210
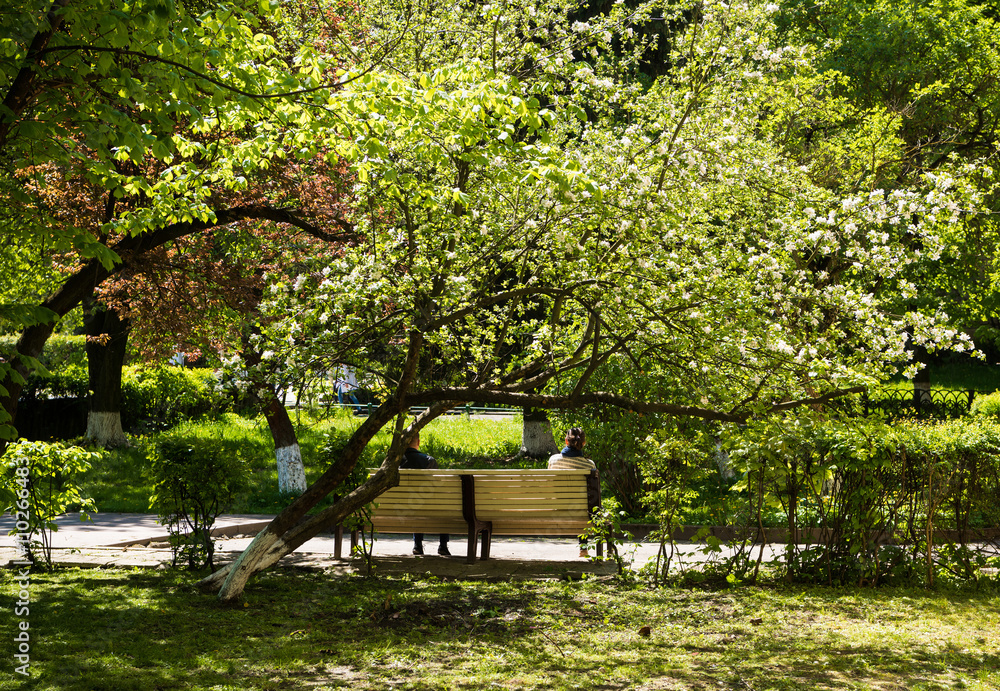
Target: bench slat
x,y
517,501
511,490
402,525
441,497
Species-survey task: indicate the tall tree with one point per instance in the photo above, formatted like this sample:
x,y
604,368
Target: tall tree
x,y
921,82
174,113
669,230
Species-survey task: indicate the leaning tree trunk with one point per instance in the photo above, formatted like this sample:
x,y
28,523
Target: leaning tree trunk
x,y
291,471
292,527
107,336
536,434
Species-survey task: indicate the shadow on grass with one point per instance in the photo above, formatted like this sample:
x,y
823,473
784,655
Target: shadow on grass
x,y
145,630
148,630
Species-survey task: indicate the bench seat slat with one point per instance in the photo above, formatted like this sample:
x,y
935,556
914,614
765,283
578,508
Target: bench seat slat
x,y
541,500
401,498
540,519
528,491
562,528
419,510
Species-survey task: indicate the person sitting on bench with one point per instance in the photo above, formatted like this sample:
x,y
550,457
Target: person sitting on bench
x,y
572,458
414,458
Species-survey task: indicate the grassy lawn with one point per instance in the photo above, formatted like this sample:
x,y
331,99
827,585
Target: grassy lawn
x,y
958,371
120,483
144,630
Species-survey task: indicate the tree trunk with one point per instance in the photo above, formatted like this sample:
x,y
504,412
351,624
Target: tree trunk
x,y
922,379
292,527
81,284
536,434
107,336
291,471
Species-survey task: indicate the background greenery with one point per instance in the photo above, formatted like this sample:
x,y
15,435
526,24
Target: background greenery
x,y
121,482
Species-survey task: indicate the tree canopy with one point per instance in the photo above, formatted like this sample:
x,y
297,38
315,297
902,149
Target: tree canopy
x,y
739,231
528,221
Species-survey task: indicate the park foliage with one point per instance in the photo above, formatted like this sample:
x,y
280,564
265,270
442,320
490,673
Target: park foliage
x,y
710,211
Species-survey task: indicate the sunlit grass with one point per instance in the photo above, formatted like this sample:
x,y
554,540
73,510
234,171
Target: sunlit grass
x,y
120,482
143,630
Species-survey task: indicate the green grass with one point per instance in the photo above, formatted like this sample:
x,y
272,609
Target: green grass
x,y
120,482
957,371
143,630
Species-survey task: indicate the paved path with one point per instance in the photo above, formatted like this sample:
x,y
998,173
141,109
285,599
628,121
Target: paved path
x,y
110,539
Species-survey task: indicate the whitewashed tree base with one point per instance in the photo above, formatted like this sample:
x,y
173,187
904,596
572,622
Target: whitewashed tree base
x,y
291,471
105,429
537,440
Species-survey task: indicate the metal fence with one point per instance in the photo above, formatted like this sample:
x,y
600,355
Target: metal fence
x,y
365,409
922,404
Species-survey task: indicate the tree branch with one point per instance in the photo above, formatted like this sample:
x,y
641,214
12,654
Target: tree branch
x,y
520,399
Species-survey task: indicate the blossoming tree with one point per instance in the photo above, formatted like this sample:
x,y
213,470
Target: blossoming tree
x,y
529,215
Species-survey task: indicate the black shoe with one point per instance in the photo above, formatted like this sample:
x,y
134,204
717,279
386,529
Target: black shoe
x,y
418,550
443,551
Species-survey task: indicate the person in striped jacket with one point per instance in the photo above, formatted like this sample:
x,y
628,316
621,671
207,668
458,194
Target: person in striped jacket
x,y
572,458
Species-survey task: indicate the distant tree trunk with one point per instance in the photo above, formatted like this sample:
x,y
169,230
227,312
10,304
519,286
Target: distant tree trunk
x,y
288,456
291,470
922,380
536,434
107,336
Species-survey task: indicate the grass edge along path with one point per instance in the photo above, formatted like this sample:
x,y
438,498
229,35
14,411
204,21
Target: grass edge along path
x,y
134,629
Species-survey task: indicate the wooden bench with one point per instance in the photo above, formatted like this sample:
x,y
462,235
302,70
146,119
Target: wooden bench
x,y
488,502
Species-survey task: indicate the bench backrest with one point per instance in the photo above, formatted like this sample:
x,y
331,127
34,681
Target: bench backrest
x,y
430,500
518,502
533,502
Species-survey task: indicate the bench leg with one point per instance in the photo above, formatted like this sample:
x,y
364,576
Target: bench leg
x,y
600,548
338,536
470,557
487,539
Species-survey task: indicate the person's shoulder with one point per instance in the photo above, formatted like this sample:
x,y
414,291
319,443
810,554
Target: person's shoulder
x,y
412,458
560,462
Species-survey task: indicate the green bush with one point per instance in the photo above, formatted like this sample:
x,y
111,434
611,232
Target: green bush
x,y
890,502
193,483
168,394
61,350
39,483
988,405
162,394
70,381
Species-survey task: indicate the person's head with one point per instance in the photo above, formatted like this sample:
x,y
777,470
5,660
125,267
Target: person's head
x,y
575,438
415,442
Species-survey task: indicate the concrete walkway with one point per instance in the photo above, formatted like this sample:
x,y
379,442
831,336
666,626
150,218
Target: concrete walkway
x,y
126,540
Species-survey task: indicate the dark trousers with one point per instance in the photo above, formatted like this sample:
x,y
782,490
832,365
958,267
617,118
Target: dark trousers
x,y
418,540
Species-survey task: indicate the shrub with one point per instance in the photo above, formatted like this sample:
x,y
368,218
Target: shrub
x,y
987,406
889,502
167,394
61,350
39,484
193,483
